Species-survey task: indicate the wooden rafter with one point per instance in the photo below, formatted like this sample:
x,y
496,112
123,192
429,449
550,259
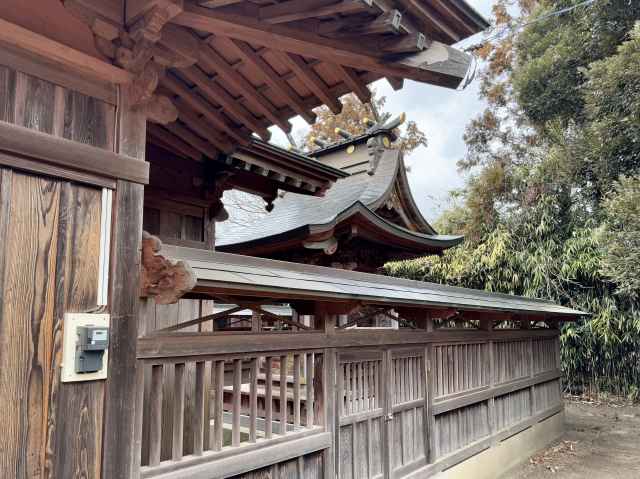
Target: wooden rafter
x,y
212,59
422,10
170,142
387,22
439,64
310,78
203,128
396,83
218,3
191,138
219,95
350,77
197,104
410,43
271,77
295,10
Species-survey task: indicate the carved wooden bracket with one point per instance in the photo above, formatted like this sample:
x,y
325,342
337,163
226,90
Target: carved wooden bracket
x,y
162,278
135,47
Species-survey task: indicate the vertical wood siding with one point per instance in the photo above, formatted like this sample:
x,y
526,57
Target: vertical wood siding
x,y
459,368
511,360
43,106
50,233
50,267
458,428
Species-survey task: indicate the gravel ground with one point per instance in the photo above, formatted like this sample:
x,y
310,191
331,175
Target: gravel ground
x,y
602,441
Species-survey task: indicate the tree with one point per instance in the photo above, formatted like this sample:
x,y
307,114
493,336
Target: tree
x,y
621,236
351,119
543,210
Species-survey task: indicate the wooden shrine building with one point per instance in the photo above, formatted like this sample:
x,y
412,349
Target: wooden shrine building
x,y
127,354
366,219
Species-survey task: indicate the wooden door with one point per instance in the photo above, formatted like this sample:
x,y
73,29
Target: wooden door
x,y
49,264
406,416
360,415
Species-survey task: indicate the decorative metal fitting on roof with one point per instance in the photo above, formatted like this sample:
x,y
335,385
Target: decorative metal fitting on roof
x,y
343,133
375,147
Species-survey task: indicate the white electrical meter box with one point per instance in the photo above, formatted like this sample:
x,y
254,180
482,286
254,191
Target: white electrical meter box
x,y
85,347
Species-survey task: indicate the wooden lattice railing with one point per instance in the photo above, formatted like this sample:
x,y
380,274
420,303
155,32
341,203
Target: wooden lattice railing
x,y
408,402
204,410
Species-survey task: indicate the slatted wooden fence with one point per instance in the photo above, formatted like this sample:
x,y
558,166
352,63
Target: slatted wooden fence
x,y
400,409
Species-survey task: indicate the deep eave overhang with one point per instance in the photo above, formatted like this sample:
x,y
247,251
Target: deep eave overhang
x,y
373,227
223,273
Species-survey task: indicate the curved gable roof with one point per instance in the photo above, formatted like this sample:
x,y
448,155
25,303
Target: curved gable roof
x,y
295,217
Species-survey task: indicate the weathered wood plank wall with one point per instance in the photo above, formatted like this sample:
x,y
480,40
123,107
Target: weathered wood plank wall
x,y
50,230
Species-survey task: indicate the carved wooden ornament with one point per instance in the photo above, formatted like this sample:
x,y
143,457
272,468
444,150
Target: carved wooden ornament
x,y
164,279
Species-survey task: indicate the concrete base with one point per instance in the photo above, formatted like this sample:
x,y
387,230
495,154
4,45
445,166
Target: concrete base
x,y
495,461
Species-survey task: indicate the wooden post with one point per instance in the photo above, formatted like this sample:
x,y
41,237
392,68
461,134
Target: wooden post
x,y
487,325
387,420
122,428
324,389
429,419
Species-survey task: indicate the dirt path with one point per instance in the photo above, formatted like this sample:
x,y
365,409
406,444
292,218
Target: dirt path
x,y
601,442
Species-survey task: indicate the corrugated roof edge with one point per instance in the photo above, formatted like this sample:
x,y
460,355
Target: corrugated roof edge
x,y
221,259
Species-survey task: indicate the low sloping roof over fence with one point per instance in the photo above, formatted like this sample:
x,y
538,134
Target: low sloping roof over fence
x,y
224,273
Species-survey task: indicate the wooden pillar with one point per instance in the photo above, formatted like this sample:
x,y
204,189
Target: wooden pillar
x,y
122,436
325,381
486,323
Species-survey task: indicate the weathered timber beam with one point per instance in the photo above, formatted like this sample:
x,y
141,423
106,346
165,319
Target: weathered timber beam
x,y
162,278
350,77
60,54
310,78
219,95
439,64
217,3
410,43
170,142
388,22
212,59
396,83
294,10
203,128
422,11
451,14
192,99
271,77
70,154
137,8
203,344
191,138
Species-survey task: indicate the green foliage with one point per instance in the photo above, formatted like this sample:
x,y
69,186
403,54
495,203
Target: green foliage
x,y
620,236
545,211
553,53
528,258
608,145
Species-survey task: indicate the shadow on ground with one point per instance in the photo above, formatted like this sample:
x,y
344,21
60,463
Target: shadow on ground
x,y
602,441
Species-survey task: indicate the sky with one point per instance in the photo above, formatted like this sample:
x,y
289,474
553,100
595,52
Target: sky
x,y
442,114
